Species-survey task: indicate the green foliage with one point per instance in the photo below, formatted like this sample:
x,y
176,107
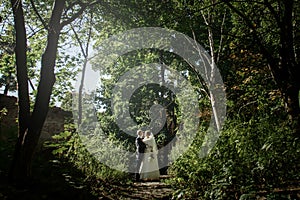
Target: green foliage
x,y
8,138
260,154
3,112
256,150
67,60
68,145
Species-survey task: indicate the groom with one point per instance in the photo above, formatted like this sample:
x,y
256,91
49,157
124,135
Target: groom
x,y
140,150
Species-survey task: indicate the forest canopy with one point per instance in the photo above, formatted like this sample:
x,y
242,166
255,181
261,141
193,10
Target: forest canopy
x,y
218,78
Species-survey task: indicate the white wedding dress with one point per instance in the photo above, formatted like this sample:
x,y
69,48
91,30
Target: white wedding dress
x,y
149,168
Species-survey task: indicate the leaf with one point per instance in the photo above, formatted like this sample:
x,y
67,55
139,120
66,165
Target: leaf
x,y
266,146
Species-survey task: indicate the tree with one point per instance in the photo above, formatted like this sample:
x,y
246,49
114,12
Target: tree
x,y
85,52
30,125
7,44
22,77
8,78
273,27
209,20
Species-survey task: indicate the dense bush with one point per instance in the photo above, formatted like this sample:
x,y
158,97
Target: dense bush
x,y
68,145
260,154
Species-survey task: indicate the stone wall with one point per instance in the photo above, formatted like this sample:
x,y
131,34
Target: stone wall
x,y
54,123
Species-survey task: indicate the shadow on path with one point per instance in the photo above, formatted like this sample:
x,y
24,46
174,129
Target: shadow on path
x,y
142,190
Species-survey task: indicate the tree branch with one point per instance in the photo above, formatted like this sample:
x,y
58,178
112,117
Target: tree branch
x,y
38,14
34,32
81,10
79,41
211,5
83,6
268,55
221,38
273,12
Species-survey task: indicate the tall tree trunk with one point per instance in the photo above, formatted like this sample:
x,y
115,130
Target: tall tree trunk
x,y
85,52
22,77
284,69
288,63
209,20
22,167
7,84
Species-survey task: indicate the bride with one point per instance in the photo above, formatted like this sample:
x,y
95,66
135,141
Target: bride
x,y
149,169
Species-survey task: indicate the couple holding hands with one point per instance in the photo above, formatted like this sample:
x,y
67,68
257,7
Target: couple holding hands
x,y
146,159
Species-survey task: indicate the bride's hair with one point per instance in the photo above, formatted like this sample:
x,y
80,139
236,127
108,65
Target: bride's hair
x,y
148,133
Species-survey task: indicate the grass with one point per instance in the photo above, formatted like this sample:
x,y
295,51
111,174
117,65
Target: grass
x,y
52,178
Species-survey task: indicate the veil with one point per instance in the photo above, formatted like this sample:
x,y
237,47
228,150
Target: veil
x,y
154,145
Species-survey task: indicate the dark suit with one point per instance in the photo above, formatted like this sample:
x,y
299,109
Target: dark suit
x,y
140,148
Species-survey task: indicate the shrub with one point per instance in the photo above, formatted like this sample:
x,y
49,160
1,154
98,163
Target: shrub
x,y
68,145
249,156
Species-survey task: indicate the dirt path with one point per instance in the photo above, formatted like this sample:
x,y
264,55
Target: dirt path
x,y
151,190
142,190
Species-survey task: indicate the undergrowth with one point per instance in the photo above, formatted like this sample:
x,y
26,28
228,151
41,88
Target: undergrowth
x,y
249,159
68,146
